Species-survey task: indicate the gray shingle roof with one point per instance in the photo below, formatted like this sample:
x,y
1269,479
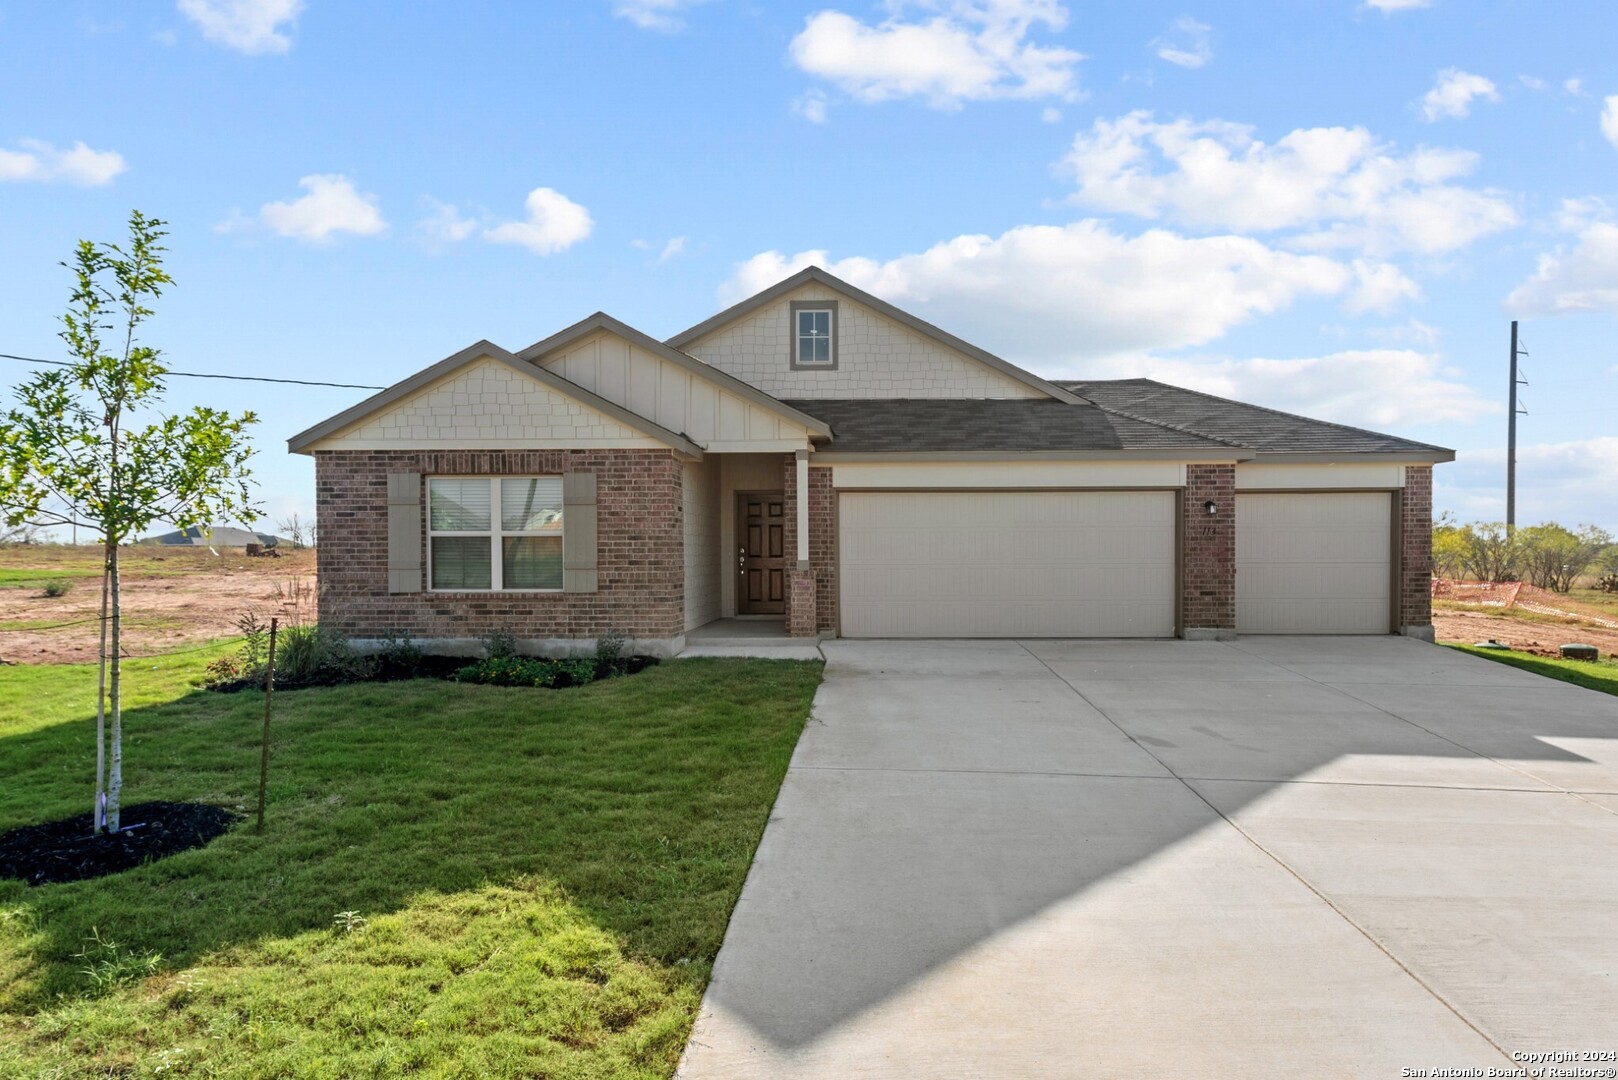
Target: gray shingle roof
x,y
1253,426
924,425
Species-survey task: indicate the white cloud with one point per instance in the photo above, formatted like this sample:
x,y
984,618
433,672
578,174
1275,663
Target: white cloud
x,y
1583,278
666,15
954,51
554,223
1378,388
1571,482
1388,6
1050,114
1609,120
1380,287
249,26
672,249
1186,45
78,165
811,106
1331,187
331,206
1057,293
445,224
1574,88
1452,95
1534,83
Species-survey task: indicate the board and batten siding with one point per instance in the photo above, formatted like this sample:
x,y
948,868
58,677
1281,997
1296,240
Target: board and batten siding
x,y
673,397
876,357
701,503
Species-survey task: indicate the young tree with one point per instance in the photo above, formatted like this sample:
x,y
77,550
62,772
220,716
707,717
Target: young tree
x,y
1554,557
70,453
1491,551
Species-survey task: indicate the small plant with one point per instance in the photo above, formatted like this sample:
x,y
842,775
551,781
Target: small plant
x,y
610,648
109,965
398,657
499,645
509,671
578,672
58,587
349,922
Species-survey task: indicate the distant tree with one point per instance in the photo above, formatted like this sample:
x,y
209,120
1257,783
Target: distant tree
x,y
1491,552
1449,548
25,532
1554,558
293,529
71,455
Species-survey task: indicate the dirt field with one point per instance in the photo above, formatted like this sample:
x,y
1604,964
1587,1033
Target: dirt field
x,y
1526,631
172,598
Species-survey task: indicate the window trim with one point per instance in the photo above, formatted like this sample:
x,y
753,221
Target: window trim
x,y
495,533
792,334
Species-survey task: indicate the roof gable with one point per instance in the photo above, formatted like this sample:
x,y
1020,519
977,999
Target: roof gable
x,y
814,275
544,353
481,396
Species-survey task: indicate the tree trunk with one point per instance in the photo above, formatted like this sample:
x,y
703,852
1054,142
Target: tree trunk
x,y
101,712
115,779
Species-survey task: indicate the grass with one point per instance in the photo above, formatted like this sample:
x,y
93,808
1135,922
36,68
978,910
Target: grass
x,y
454,881
1599,675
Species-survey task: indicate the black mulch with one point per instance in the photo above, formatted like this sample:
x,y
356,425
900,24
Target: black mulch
x,y
67,850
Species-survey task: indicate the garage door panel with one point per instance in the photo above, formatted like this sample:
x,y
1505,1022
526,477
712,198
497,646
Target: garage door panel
x,y
1313,563
1007,564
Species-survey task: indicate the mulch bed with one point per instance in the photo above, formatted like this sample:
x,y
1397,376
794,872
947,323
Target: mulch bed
x,y
67,850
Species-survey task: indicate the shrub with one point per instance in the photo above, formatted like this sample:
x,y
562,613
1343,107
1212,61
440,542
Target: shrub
x,y
58,587
311,654
579,671
610,648
509,671
499,645
398,657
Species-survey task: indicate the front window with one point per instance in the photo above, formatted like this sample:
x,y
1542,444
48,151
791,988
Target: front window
x,y
495,532
814,336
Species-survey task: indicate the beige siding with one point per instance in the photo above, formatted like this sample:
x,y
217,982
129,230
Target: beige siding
x,y
700,493
1007,564
672,397
876,357
1009,474
1252,477
1314,563
488,405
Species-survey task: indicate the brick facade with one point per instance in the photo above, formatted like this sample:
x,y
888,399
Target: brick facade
x,y
1208,567
822,541
641,577
1416,552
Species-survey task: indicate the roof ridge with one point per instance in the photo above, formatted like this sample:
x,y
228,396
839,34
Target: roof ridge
x,y
1281,412
1171,427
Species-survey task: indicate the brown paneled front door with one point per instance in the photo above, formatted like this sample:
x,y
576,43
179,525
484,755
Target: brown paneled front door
x,y
761,561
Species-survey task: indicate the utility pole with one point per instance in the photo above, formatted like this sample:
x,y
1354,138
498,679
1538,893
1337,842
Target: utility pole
x,y
1511,434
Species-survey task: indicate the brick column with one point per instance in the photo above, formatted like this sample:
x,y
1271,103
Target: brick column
x,y
1416,553
1208,554
801,603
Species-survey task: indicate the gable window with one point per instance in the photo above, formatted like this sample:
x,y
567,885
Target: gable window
x,y
814,334
498,533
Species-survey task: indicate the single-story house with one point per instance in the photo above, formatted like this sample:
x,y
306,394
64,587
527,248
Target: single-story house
x,y
214,536
818,456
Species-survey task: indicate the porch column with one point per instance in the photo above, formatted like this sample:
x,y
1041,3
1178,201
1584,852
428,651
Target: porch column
x,y
801,614
803,509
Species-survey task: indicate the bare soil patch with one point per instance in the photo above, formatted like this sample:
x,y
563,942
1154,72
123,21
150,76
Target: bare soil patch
x,y
1541,638
173,598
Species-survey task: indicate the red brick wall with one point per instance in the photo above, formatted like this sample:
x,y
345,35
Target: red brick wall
x,y
639,555
1416,547
1208,575
822,539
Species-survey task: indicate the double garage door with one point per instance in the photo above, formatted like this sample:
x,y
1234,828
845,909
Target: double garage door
x,y
996,564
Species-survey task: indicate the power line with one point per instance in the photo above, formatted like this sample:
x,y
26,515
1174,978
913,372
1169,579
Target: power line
x,y
204,375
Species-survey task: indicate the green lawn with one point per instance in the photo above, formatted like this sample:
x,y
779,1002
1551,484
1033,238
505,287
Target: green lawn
x,y
1599,675
540,879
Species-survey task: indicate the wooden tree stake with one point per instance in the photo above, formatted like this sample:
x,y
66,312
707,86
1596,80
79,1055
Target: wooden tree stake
x,y
269,696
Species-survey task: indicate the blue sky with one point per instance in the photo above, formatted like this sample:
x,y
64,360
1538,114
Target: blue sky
x,y
1327,206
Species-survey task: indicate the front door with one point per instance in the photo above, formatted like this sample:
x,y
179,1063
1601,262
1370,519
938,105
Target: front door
x,y
761,561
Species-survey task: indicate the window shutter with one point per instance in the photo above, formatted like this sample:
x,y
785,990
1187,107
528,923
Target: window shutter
x,y
578,532
404,532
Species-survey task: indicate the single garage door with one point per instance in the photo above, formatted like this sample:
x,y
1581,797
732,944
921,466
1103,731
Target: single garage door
x,y
1007,564
1314,564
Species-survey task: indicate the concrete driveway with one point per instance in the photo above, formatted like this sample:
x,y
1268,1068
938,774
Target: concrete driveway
x,y
1274,857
